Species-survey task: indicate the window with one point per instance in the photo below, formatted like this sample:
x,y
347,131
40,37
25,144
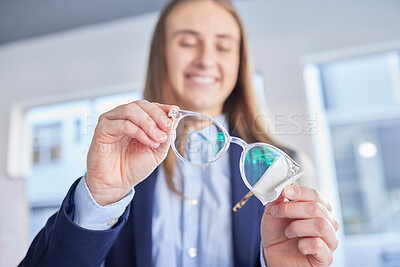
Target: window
x,y
46,143
60,139
78,129
363,145
361,105
258,82
362,84
368,175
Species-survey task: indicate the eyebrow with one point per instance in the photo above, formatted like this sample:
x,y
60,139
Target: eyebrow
x,y
221,35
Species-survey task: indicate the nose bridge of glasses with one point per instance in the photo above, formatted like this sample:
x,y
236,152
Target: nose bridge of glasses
x,y
238,141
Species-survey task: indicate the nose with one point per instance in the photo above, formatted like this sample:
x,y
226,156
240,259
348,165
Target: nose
x,y
206,57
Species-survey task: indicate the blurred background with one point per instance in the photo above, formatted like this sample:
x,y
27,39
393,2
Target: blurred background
x,y
329,72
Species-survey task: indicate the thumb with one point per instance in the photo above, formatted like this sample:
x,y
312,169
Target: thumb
x,y
280,199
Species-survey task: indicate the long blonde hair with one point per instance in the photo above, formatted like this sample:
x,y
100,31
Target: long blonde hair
x,y
241,107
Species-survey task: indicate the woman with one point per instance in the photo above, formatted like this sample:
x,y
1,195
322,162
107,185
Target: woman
x,y
199,62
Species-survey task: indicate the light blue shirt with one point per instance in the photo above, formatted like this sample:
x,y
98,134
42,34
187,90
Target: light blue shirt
x,y
195,231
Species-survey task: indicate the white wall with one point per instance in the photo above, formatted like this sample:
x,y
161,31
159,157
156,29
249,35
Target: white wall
x,y
280,32
14,221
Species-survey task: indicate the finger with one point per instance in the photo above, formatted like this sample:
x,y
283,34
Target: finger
x,y
121,128
302,210
158,113
315,247
303,193
139,117
317,227
270,204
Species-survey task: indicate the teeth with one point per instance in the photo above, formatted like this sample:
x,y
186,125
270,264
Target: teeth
x,y
203,79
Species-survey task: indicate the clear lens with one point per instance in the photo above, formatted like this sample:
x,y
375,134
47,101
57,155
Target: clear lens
x,y
198,139
265,167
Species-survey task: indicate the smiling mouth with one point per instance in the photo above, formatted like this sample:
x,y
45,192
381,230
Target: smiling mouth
x,y
202,80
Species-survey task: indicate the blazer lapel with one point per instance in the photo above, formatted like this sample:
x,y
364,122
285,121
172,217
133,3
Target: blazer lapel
x,y
133,246
245,222
142,208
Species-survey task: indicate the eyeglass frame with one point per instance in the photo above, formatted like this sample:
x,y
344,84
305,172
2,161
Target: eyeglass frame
x,y
177,115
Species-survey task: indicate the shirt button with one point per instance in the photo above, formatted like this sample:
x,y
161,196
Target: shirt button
x,y
192,252
193,202
112,222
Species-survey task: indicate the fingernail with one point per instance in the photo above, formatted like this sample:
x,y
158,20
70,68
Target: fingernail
x,y
274,210
290,192
168,122
160,135
165,121
288,232
175,107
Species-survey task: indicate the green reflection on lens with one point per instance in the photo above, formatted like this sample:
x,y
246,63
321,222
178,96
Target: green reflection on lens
x,y
221,137
257,161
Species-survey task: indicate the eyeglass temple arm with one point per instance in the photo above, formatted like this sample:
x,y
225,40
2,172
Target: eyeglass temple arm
x,y
241,203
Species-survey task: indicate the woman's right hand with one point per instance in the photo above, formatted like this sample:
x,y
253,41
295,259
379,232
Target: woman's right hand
x,y
129,142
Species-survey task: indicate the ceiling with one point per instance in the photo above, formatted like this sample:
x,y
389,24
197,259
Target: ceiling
x,y
22,19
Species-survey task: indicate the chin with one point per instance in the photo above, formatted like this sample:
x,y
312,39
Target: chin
x,y
208,107
203,101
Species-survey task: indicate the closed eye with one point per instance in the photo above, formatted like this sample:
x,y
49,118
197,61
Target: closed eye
x,y
224,49
188,44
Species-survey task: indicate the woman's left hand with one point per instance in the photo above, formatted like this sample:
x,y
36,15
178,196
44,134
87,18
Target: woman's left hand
x,y
301,232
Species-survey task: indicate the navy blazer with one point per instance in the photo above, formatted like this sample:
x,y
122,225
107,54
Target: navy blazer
x,y
129,242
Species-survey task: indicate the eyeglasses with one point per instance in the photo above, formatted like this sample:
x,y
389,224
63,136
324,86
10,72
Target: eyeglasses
x,y
265,169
